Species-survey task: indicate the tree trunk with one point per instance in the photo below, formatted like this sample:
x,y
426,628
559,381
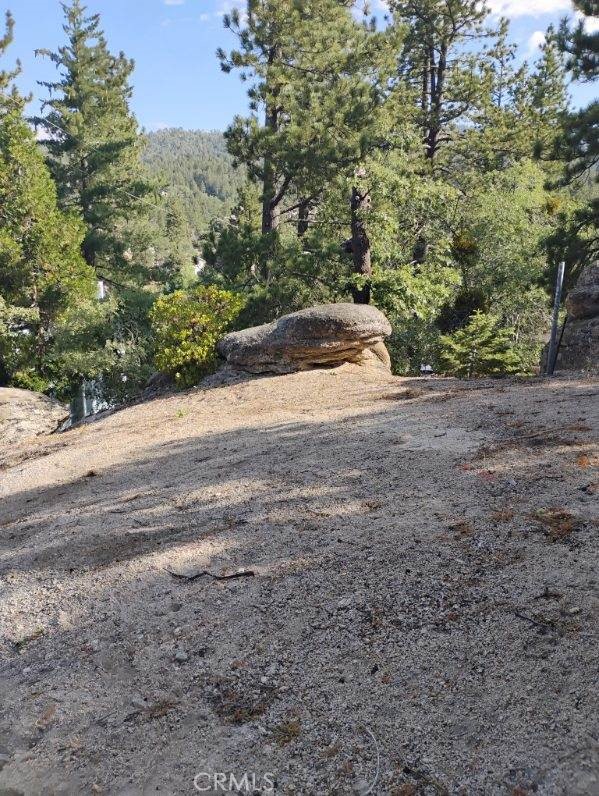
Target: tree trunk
x,y
360,245
438,74
270,208
270,212
303,217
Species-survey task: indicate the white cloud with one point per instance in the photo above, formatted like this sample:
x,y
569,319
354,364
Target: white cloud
x,y
528,8
204,17
536,41
173,2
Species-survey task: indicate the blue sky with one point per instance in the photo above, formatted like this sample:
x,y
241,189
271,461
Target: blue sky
x,y
177,79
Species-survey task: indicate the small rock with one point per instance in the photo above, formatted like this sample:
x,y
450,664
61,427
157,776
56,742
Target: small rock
x,y
181,656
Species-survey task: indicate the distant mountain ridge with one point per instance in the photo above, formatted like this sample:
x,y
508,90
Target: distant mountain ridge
x,y
198,168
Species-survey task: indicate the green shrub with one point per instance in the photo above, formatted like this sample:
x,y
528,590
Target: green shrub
x,y
187,326
481,348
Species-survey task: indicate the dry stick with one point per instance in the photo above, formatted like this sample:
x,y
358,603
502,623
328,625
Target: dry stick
x,y
242,573
544,625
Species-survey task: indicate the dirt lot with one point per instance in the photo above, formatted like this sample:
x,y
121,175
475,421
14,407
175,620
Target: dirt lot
x,y
415,607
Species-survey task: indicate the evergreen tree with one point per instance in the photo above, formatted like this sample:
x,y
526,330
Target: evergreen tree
x,y
499,134
581,44
439,62
548,98
481,348
579,147
93,142
321,80
42,273
94,151
178,265
520,112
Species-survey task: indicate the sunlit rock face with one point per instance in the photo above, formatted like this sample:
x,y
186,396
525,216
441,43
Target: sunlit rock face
x,y
28,414
322,336
580,344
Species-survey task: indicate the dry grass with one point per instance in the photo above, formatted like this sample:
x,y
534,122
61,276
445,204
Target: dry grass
x,y
558,524
287,731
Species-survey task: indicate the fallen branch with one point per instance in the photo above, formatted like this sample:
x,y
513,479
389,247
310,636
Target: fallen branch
x,y
544,625
240,573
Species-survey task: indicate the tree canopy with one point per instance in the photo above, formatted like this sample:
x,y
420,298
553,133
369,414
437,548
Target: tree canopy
x,y
418,162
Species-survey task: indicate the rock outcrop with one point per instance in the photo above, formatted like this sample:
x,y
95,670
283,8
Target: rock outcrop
x,y
322,336
27,414
579,349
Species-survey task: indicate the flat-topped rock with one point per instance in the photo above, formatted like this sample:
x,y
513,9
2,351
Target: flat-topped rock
x,y
322,336
27,414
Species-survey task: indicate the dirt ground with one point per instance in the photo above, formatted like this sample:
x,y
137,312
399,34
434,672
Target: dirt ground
x,y
414,609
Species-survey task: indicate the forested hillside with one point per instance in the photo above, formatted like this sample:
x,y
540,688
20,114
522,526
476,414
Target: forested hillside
x,y
423,161
197,168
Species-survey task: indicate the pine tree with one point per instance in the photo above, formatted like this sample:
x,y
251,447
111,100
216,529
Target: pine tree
x,y
42,273
266,51
498,134
436,62
178,266
93,142
579,147
548,98
481,348
520,110
321,80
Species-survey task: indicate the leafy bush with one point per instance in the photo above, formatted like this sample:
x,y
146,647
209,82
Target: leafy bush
x,y
187,326
481,348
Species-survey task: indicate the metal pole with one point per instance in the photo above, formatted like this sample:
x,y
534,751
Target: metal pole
x,y
552,353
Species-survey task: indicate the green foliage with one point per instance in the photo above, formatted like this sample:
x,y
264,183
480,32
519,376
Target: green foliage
x,y
579,144
482,348
440,64
320,80
187,326
138,242
42,273
93,143
198,172
108,342
408,166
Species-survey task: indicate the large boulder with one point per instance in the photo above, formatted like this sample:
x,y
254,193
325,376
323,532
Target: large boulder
x,y
583,301
579,349
27,414
322,336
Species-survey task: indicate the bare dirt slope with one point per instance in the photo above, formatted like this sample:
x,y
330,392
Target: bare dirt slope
x,y
421,619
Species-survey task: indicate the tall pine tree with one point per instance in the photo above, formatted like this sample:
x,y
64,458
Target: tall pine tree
x,y
42,273
93,142
579,147
320,81
439,61
548,98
